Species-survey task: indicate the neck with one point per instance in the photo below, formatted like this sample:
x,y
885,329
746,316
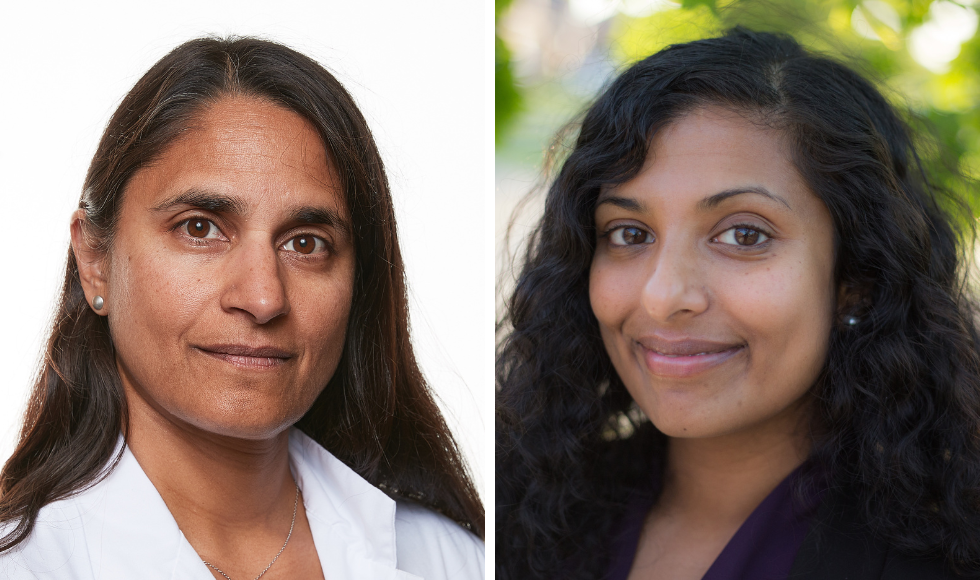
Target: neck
x,y
215,486
727,477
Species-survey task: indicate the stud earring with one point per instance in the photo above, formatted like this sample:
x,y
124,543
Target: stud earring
x,y
98,303
851,320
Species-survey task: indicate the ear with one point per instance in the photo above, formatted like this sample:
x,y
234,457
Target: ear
x,y
853,300
91,264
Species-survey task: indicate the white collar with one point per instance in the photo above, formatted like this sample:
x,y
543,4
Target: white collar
x,y
127,526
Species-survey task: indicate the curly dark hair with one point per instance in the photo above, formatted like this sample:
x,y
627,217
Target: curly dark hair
x,y
898,399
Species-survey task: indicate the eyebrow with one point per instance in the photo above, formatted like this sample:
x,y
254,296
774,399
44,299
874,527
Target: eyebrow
x,y
627,203
716,199
320,216
220,203
206,200
710,202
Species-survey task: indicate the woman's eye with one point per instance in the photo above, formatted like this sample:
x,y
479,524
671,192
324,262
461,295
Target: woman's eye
x,y
305,245
202,229
630,236
742,236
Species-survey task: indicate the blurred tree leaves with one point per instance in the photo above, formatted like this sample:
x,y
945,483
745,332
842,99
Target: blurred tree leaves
x,y
877,37
507,98
688,4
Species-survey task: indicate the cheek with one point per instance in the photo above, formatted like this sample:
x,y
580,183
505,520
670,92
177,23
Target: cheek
x,y
608,296
784,313
154,297
612,293
325,306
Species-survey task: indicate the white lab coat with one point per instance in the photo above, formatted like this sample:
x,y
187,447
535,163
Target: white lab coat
x,y
120,528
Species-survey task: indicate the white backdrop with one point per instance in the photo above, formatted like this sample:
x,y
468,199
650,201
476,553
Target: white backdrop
x,y
417,70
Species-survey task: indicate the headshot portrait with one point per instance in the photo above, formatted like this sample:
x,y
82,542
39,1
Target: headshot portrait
x,y
739,339
257,354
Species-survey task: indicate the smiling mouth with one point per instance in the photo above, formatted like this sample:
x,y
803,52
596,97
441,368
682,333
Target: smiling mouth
x,y
247,357
685,358
686,355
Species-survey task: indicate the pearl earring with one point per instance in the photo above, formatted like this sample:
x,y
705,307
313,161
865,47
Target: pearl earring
x,y
98,303
851,320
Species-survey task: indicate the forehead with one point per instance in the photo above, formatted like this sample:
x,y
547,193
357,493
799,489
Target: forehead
x,y
710,150
244,147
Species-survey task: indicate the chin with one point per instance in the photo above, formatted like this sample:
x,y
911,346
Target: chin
x,y
686,428
249,421
248,428
689,418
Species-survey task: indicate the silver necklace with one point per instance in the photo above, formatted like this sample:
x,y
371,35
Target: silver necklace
x,y
291,524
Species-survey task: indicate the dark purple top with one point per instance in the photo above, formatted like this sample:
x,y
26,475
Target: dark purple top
x,y
763,548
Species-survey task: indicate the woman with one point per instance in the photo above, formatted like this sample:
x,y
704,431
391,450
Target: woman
x,y
741,342
235,272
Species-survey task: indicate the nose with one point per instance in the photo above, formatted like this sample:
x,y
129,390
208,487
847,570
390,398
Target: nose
x,y
675,288
254,283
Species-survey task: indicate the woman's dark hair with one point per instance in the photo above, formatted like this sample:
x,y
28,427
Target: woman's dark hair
x,y
376,414
895,410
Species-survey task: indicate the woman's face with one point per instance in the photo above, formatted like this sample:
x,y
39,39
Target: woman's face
x,y
230,275
712,279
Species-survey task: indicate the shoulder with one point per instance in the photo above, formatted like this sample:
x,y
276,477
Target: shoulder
x,y
837,555
111,529
56,547
839,546
901,566
432,546
402,534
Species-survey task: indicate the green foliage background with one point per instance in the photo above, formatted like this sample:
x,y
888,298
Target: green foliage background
x,y
507,98
529,111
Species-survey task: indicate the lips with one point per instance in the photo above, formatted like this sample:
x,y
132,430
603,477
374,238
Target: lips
x,y
246,356
685,357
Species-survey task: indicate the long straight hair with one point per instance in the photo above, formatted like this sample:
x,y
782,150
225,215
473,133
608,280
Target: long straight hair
x,y
376,413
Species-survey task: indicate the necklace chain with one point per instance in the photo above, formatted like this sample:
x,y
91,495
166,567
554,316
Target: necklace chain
x,y
289,535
